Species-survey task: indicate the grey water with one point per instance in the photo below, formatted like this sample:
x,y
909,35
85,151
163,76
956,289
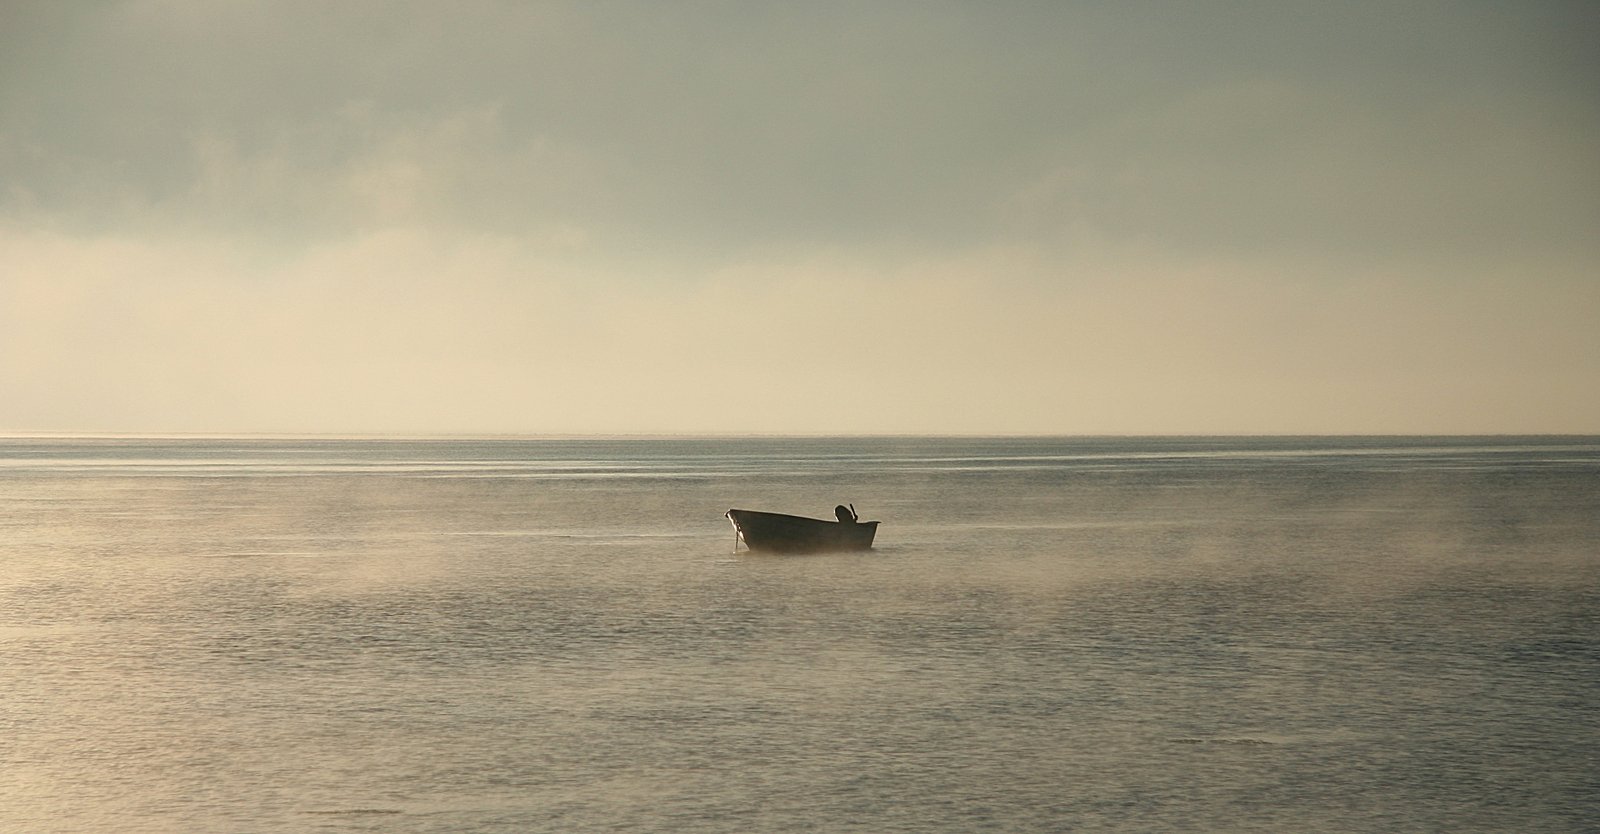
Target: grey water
x,y
1051,634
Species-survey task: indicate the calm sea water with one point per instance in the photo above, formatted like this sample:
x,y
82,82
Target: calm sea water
x,y
1301,634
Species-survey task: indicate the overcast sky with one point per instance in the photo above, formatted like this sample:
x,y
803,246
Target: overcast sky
x,y
851,217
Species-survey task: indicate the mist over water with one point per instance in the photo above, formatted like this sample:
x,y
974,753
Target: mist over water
x,y
1095,634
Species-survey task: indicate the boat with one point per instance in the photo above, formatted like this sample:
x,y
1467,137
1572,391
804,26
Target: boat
x,y
780,533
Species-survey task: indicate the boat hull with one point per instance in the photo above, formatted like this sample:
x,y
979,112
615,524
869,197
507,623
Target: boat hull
x,y
779,533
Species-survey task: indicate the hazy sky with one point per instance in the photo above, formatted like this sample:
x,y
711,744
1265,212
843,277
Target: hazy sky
x,y
1125,218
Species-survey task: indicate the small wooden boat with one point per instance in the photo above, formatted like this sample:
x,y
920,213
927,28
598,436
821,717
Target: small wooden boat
x,y
779,533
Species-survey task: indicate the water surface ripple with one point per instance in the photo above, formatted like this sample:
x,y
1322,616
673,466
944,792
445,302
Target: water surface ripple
x,y
1087,634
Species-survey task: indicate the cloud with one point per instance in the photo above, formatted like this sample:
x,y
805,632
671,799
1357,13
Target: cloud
x,y
724,127
726,217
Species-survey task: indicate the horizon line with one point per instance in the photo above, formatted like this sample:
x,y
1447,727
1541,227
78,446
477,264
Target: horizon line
x,y
713,435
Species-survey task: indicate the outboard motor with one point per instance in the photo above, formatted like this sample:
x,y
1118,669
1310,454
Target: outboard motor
x,y
846,515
